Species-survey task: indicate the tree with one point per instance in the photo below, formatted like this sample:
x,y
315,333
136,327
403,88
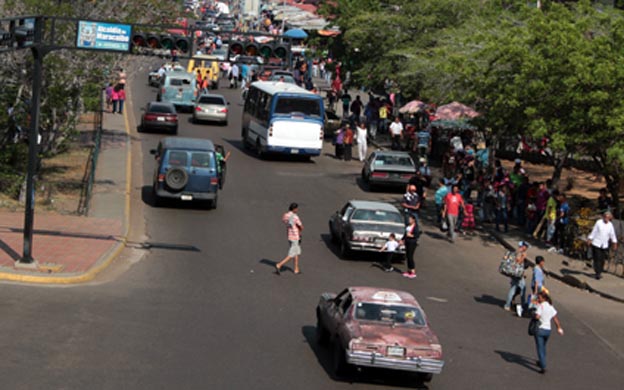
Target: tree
x,y
67,74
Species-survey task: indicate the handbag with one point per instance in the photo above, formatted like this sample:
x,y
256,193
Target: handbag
x,y
509,267
533,326
444,226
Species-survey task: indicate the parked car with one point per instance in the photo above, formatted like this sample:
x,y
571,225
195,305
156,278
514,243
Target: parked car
x,y
383,328
365,226
390,168
159,116
186,170
211,108
332,123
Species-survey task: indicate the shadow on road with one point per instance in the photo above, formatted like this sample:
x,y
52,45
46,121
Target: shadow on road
x,y
523,361
490,300
147,196
364,375
238,144
272,263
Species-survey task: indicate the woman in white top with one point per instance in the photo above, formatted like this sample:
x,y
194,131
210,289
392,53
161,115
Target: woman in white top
x,y
545,313
361,140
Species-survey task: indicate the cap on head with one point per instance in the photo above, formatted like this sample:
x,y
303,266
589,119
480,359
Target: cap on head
x,y
293,206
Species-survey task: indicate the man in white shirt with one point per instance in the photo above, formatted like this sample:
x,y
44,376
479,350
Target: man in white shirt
x,y
600,237
396,130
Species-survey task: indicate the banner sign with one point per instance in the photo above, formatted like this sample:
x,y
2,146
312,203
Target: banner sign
x,y
104,36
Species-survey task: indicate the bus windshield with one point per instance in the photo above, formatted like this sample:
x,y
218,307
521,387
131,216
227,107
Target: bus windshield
x,y
289,105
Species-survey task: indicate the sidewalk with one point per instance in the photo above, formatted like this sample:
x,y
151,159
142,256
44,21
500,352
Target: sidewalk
x,y
73,249
574,272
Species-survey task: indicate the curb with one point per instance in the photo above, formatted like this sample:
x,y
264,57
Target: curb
x,y
109,256
567,279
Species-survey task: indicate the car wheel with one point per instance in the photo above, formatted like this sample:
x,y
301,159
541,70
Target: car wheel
x,y
259,148
246,144
213,204
175,131
332,233
225,123
425,377
341,367
176,178
322,335
344,249
364,178
156,200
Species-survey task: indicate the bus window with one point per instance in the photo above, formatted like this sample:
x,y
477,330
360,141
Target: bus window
x,y
307,107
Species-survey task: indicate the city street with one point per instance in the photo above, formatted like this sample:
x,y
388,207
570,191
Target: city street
x,y
204,310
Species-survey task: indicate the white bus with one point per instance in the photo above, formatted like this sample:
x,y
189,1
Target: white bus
x,y
281,117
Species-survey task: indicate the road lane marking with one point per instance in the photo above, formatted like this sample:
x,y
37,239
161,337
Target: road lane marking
x,y
435,299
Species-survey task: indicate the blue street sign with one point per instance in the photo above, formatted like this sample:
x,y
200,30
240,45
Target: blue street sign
x,y
103,36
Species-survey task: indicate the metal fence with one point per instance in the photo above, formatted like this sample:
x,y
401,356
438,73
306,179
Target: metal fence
x,y
89,175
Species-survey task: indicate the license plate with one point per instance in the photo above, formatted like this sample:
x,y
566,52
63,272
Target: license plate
x,y
396,351
186,197
160,119
294,151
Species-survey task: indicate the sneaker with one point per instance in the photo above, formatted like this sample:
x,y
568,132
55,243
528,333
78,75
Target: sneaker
x,y
519,310
409,275
389,269
507,308
552,249
560,251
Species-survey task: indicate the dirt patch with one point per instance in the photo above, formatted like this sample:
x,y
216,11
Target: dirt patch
x,y
583,184
60,183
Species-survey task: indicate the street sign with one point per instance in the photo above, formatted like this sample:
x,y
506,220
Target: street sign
x,y
103,36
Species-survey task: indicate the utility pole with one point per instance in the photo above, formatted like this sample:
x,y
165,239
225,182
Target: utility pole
x,y
33,143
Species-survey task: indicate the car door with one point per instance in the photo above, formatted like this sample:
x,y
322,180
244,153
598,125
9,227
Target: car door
x,y
202,170
368,164
333,313
343,221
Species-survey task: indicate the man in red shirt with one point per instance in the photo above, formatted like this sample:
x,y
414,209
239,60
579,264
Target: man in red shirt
x,y
452,203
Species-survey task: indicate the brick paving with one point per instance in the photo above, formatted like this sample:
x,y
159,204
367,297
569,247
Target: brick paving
x,y
66,244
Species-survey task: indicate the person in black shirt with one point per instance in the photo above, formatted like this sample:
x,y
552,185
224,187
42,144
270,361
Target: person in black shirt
x,y
604,201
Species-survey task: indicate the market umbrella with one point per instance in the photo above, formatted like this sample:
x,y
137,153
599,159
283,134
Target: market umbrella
x,y
456,124
454,111
412,107
296,33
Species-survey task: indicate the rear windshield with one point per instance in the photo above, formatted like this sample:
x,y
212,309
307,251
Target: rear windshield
x,y
377,216
178,158
202,160
180,82
394,160
211,100
161,108
292,105
377,312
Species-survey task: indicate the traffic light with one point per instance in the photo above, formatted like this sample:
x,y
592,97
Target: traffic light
x,y
5,38
251,49
152,41
274,50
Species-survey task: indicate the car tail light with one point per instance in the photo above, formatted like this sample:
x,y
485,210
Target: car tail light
x,y
172,118
149,117
223,110
161,177
162,91
214,181
321,135
406,176
380,174
198,109
271,131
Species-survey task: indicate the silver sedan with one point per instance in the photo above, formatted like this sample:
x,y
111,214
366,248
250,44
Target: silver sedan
x,y
211,108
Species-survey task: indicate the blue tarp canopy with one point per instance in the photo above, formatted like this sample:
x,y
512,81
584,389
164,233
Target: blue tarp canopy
x,y
296,33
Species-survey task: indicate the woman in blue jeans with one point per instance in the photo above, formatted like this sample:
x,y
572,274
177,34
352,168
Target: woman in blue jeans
x,y
545,312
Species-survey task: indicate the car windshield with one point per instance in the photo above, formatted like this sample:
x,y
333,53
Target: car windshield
x,y
393,314
394,160
211,100
202,160
162,108
377,216
219,52
289,105
283,78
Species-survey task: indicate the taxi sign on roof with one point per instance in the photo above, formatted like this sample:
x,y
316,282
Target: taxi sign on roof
x,y
387,296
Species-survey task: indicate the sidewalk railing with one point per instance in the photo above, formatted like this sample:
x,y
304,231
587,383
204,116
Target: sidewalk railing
x,y
89,176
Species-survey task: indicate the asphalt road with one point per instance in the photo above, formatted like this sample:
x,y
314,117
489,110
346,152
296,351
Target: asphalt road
x,y
210,313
